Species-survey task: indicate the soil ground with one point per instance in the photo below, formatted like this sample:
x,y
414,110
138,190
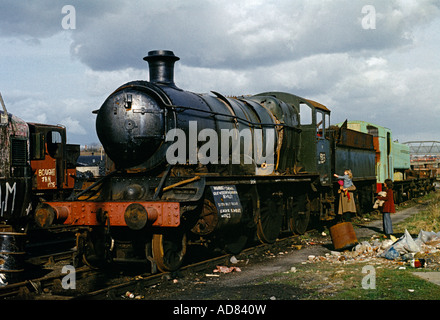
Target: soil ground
x,y
261,276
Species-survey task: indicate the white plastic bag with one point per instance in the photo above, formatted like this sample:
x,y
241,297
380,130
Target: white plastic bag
x,y
405,244
427,236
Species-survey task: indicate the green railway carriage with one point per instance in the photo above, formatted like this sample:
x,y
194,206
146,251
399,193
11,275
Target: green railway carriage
x,y
402,162
382,139
392,161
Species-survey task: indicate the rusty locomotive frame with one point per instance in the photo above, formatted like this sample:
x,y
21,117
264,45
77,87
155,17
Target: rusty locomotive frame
x,y
148,209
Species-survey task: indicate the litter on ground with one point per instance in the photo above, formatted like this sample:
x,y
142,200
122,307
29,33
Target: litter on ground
x,y
223,269
419,252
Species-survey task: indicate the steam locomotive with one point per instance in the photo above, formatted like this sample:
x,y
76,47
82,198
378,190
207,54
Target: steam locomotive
x,y
205,169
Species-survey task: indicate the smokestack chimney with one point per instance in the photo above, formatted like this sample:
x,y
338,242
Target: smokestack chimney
x,y
161,63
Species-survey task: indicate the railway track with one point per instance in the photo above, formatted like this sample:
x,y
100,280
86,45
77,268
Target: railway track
x,y
114,282
137,283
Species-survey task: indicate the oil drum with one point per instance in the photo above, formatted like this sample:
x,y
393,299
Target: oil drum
x,y
343,236
12,255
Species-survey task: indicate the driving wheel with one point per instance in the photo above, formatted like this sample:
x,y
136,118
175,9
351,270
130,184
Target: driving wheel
x,y
168,250
270,221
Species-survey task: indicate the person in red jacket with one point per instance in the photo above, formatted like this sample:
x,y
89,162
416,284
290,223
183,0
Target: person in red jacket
x,y
388,207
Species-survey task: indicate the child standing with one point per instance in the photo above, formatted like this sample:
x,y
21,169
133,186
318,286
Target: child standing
x,y
388,207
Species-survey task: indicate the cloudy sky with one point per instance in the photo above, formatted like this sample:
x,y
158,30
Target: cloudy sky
x,y
373,60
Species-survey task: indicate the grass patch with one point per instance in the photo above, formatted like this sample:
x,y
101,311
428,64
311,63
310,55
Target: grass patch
x,y
427,219
329,281
343,280
393,284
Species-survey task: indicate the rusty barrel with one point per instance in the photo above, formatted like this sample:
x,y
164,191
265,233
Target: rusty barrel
x,y
12,256
343,236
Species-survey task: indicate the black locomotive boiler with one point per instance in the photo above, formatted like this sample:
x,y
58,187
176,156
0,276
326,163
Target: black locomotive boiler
x,y
210,170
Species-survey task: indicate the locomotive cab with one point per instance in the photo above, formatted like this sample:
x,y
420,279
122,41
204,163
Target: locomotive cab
x,y
317,130
53,161
313,152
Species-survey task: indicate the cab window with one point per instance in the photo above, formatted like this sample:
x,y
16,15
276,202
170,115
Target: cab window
x,y
306,114
54,144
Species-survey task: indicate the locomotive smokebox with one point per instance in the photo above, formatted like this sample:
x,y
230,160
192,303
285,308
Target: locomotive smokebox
x,y
161,64
132,123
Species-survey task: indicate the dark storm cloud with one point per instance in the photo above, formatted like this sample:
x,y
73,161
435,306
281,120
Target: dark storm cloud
x,y
113,35
195,29
35,19
30,19
231,35
314,48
